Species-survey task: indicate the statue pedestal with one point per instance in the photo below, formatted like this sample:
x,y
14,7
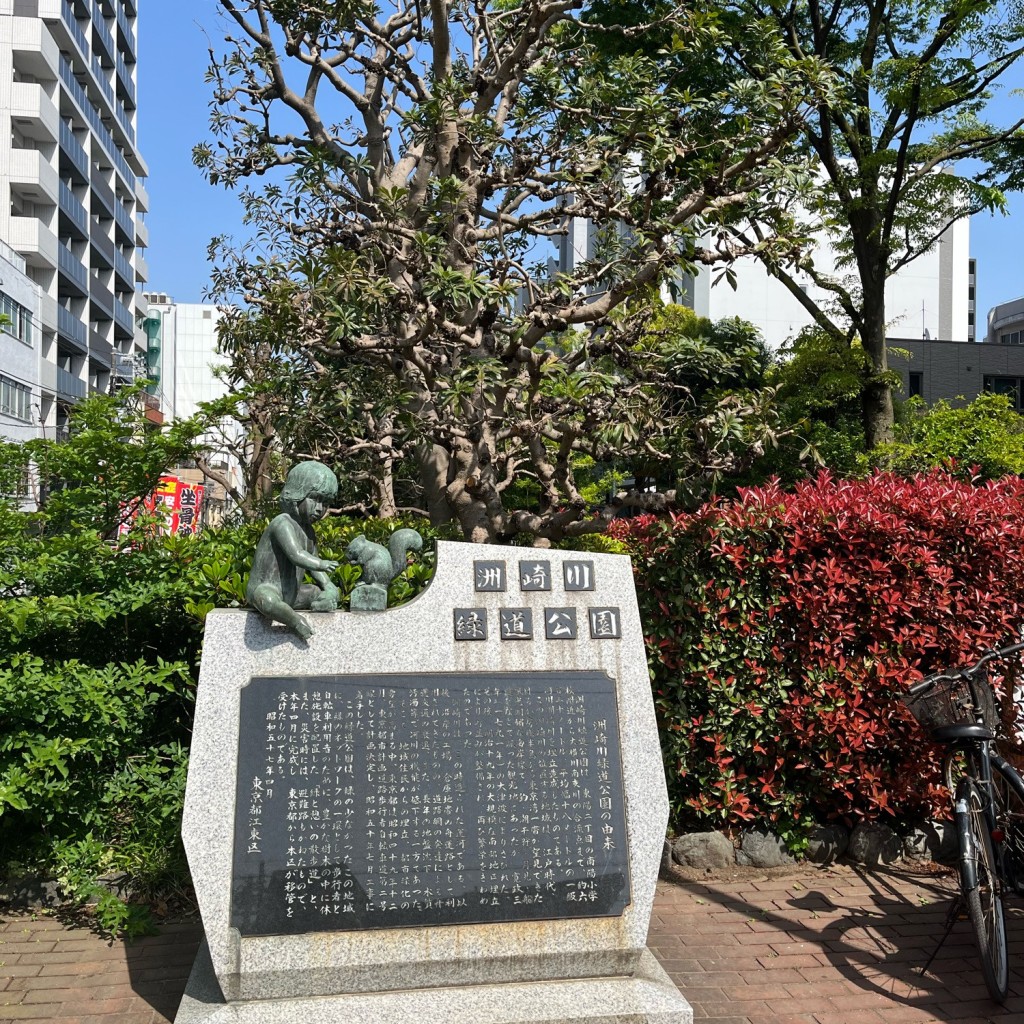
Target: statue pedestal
x,y
369,597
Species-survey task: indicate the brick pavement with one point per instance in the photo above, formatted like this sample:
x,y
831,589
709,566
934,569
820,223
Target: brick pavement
x,y
815,946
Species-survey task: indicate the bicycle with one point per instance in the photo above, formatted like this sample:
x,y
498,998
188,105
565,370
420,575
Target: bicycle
x,y
958,707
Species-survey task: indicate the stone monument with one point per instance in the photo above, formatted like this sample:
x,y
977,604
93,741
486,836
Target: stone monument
x,y
451,812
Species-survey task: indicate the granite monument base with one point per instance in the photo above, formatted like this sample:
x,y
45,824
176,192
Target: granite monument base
x,y
451,812
646,997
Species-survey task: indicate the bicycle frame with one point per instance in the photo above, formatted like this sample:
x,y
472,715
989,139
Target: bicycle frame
x,y
979,755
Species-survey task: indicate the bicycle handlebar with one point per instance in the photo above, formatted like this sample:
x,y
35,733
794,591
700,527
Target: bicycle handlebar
x,y
930,681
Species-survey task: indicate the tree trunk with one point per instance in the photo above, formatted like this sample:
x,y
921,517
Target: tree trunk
x,y
877,414
434,462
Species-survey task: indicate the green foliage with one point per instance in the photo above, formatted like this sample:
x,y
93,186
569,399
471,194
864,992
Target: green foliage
x,y
819,377
92,774
408,305
984,439
112,457
99,648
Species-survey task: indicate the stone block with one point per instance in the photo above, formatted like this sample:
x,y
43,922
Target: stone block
x,y
566,968
761,848
827,843
872,843
704,850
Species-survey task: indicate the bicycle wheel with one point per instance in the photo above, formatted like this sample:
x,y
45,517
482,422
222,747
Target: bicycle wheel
x,y
1008,793
982,893
954,767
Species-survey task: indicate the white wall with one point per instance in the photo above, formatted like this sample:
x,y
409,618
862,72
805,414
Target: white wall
x,y
930,294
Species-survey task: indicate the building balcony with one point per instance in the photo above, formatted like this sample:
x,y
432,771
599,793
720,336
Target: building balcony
x,y
33,240
103,40
48,376
124,119
125,33
101,299
48,311
69,387
34,176
141,196
141,235
102,249
72,212
124,320
101,351
34,113
124,271
34,46
125,223
141,268
72,155
103,195
74,278
99,76
72,331
74,29
124,79
92,115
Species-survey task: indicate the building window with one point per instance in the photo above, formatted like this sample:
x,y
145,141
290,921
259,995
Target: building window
x,y
1010,386
15,399
20,325
915,384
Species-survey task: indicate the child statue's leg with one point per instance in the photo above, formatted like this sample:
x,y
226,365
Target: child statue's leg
x,y
267,599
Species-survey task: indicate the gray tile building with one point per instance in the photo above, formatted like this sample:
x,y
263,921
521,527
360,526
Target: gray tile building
x,y
955,370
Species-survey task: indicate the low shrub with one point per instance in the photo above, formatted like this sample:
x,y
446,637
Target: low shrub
x,y
101,645
782,628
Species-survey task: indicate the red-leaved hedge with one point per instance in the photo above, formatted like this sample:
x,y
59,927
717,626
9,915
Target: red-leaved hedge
x,y
782,626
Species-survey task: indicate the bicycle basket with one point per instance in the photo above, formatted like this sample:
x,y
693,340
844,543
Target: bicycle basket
x,y
956,701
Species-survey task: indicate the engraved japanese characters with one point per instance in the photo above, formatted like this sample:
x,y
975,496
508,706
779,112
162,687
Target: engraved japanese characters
x,y
385,801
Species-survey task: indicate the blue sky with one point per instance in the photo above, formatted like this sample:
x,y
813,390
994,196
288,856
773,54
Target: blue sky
x,y
186,212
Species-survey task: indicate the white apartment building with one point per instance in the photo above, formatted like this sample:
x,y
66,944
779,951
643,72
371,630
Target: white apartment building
x,y
930,298
20,395
71,193
181,340
182,351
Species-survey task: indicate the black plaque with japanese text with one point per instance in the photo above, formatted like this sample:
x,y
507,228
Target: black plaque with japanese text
x,y
383,801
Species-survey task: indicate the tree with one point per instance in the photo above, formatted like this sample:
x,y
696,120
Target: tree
x,y
980,441
915,76
407,171
113,457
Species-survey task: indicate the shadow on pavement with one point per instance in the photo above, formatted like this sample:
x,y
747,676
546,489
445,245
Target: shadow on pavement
x,y
880,941
159,965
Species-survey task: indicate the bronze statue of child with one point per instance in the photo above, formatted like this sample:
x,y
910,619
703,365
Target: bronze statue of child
x,y
287,551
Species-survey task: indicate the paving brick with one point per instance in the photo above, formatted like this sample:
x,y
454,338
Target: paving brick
x,y
847,1017
15,947
33,1011
833,948
19,970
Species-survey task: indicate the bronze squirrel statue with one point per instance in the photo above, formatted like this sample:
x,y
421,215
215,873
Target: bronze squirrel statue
x,y
381,564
